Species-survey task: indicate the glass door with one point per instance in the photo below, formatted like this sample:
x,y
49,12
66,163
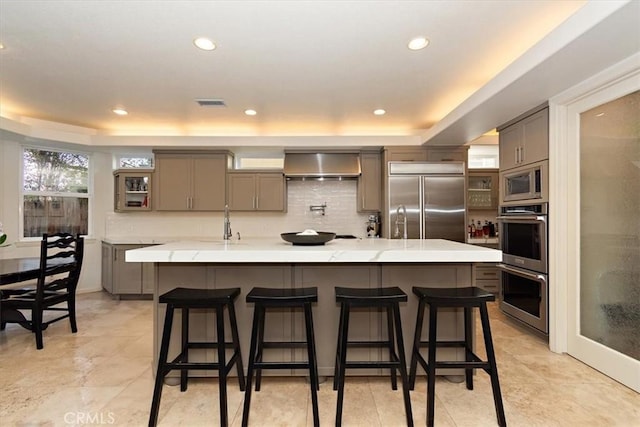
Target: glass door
x,y
604,322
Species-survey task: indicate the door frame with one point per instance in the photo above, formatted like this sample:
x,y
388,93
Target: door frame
x,y
564,225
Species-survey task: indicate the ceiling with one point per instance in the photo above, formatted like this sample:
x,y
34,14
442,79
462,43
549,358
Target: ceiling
x,y
309,68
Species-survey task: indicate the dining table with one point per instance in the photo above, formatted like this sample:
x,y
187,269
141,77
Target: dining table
x,y
14,271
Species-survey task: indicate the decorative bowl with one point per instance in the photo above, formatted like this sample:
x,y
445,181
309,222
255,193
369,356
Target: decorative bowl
x,y
308,239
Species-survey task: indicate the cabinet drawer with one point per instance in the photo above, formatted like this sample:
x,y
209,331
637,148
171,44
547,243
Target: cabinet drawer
x,y
488,285
486,273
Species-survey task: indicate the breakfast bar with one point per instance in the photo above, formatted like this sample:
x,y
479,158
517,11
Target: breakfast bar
x,y
270,262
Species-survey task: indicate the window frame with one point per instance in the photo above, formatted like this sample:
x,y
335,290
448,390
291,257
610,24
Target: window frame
x,y
89,195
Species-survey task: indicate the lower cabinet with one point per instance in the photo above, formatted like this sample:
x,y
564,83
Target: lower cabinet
x,y
125,278
486,276
288,324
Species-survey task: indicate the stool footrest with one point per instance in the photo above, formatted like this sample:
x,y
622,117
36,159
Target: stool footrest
x,y
444,344
368,364
367,344
176,364
281,365
284,344
211,345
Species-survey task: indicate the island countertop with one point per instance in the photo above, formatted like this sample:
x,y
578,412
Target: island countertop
x,y
274,250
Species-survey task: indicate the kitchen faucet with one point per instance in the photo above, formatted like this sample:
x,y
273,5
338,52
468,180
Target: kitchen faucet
x,y
403,221
227,224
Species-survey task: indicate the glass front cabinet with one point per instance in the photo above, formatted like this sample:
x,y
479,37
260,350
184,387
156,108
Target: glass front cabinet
x,y
482,189
132,190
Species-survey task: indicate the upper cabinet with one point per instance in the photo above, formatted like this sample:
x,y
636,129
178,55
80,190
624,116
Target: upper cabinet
x,y
370,182
406,154
132,190
482,189
190,181
256,191
444,153
525,139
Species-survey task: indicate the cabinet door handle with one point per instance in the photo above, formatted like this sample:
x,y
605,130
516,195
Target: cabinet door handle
x,y
521,154
516,153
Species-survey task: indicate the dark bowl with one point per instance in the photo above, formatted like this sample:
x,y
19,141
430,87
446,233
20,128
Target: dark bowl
x,y
308,240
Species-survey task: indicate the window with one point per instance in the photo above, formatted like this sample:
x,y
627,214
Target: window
x,y
55,189
134,161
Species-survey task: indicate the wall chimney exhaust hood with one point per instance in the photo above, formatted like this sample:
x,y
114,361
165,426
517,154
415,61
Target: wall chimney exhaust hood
x,y
322,165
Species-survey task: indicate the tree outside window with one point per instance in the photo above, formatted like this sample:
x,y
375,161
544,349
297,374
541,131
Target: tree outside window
x,y
55,192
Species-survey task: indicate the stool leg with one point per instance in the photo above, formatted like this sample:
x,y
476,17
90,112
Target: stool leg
x,y
185,348
431,365
313,364
222,371
161,371
236,344
403,365
417,337
252,354
260,348
468,354
343,361
336,370
394,381
495,384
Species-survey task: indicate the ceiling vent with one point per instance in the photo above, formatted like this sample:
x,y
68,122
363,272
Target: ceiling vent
x,y
211,102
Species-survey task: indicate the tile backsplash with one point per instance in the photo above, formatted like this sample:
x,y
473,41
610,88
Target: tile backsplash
x,y
340,216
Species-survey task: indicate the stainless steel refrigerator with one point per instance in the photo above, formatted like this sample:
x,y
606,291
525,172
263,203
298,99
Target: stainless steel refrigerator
x,y
433,196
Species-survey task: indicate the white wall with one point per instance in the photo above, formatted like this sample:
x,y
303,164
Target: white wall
x,y
11,209
340,217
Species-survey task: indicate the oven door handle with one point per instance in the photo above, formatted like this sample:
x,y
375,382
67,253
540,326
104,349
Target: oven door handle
x,y
533,276
517,218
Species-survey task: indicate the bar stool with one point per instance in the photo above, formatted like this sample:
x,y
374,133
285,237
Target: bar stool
x,y
374,298
185,299
466,298
265,298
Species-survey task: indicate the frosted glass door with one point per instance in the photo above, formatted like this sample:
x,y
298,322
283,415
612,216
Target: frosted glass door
x,y
610,224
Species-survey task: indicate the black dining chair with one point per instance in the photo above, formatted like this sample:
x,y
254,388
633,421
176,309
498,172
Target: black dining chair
x,y
61,257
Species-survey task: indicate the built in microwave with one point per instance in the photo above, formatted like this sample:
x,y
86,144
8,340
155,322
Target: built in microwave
x,y
525,183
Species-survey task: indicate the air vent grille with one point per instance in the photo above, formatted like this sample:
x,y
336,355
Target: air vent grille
x,y
212,102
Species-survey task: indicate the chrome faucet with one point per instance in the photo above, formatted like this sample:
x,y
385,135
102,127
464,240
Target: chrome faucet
x,y
227,224
403,221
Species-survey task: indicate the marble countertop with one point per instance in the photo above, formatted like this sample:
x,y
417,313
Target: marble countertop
x,y
275,250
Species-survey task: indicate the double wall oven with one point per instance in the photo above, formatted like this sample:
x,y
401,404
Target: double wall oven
x,y
523,272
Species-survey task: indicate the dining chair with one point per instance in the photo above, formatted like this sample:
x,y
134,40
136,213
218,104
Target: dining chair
x,y
61,257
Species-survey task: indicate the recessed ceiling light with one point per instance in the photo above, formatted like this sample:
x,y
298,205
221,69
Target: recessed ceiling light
x,y
379,112
250,112
204,43
1,46
418,43
120,111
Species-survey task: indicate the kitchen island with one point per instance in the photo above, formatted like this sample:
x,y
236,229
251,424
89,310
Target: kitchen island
x,y
271,262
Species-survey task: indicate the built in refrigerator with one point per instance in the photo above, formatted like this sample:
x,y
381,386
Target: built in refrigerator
x,y
427,199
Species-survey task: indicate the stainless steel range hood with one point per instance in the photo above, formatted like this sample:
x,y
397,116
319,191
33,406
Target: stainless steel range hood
x,y
322,165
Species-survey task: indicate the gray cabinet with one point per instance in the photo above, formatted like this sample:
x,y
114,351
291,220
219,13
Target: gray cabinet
x,y
486,276
125,278
525,139
132,190
256,191
448,153
370,182
194,181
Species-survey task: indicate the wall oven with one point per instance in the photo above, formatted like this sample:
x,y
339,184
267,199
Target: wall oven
x,y
524,289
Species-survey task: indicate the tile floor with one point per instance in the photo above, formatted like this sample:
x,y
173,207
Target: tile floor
x,y
102,376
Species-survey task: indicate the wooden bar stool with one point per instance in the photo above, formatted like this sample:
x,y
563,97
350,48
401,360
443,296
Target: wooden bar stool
x,y
466,298
374,298
265,298
185,299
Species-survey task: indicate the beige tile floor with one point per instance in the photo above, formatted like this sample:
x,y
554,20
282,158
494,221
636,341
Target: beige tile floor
x,y
102,376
